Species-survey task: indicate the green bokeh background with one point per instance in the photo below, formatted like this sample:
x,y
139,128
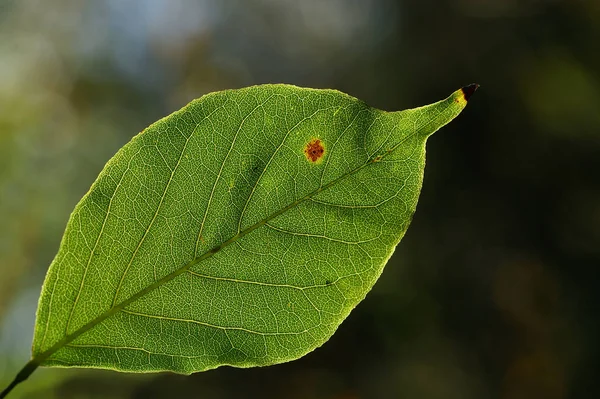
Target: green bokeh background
x,y
492,293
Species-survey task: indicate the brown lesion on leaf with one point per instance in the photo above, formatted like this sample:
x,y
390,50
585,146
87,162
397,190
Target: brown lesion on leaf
x,y
314,150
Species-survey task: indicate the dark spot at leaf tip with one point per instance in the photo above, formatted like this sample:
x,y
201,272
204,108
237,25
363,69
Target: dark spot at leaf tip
x,y
469,90
314,150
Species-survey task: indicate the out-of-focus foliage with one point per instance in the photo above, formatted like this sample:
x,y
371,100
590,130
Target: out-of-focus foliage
x,y
505,306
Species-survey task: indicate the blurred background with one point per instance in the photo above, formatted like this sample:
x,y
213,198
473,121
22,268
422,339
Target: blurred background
x,y
492,293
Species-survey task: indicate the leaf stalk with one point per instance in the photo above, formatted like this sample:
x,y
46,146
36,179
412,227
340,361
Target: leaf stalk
x,y
21,376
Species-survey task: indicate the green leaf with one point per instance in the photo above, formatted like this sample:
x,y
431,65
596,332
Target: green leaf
x,y
240,230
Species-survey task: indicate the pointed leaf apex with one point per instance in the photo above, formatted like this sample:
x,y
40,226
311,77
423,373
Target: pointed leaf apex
x,y
469,90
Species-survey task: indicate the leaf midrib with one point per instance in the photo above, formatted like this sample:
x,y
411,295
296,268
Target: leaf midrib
x,y
41,357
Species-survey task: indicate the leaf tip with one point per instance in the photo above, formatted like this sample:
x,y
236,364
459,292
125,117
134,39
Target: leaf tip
x,y
468,90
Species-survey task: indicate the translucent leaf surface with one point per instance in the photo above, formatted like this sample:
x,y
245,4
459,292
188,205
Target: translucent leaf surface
x,y
240,230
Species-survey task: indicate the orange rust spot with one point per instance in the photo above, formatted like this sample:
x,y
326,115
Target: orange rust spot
x,y
314,150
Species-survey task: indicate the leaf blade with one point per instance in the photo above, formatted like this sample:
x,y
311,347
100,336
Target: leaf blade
x,y
244,183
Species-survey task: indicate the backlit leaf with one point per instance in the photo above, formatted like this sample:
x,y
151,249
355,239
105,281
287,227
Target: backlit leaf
x,y
240,230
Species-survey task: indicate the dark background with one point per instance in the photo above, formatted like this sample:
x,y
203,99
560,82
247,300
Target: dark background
x,y
492,293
